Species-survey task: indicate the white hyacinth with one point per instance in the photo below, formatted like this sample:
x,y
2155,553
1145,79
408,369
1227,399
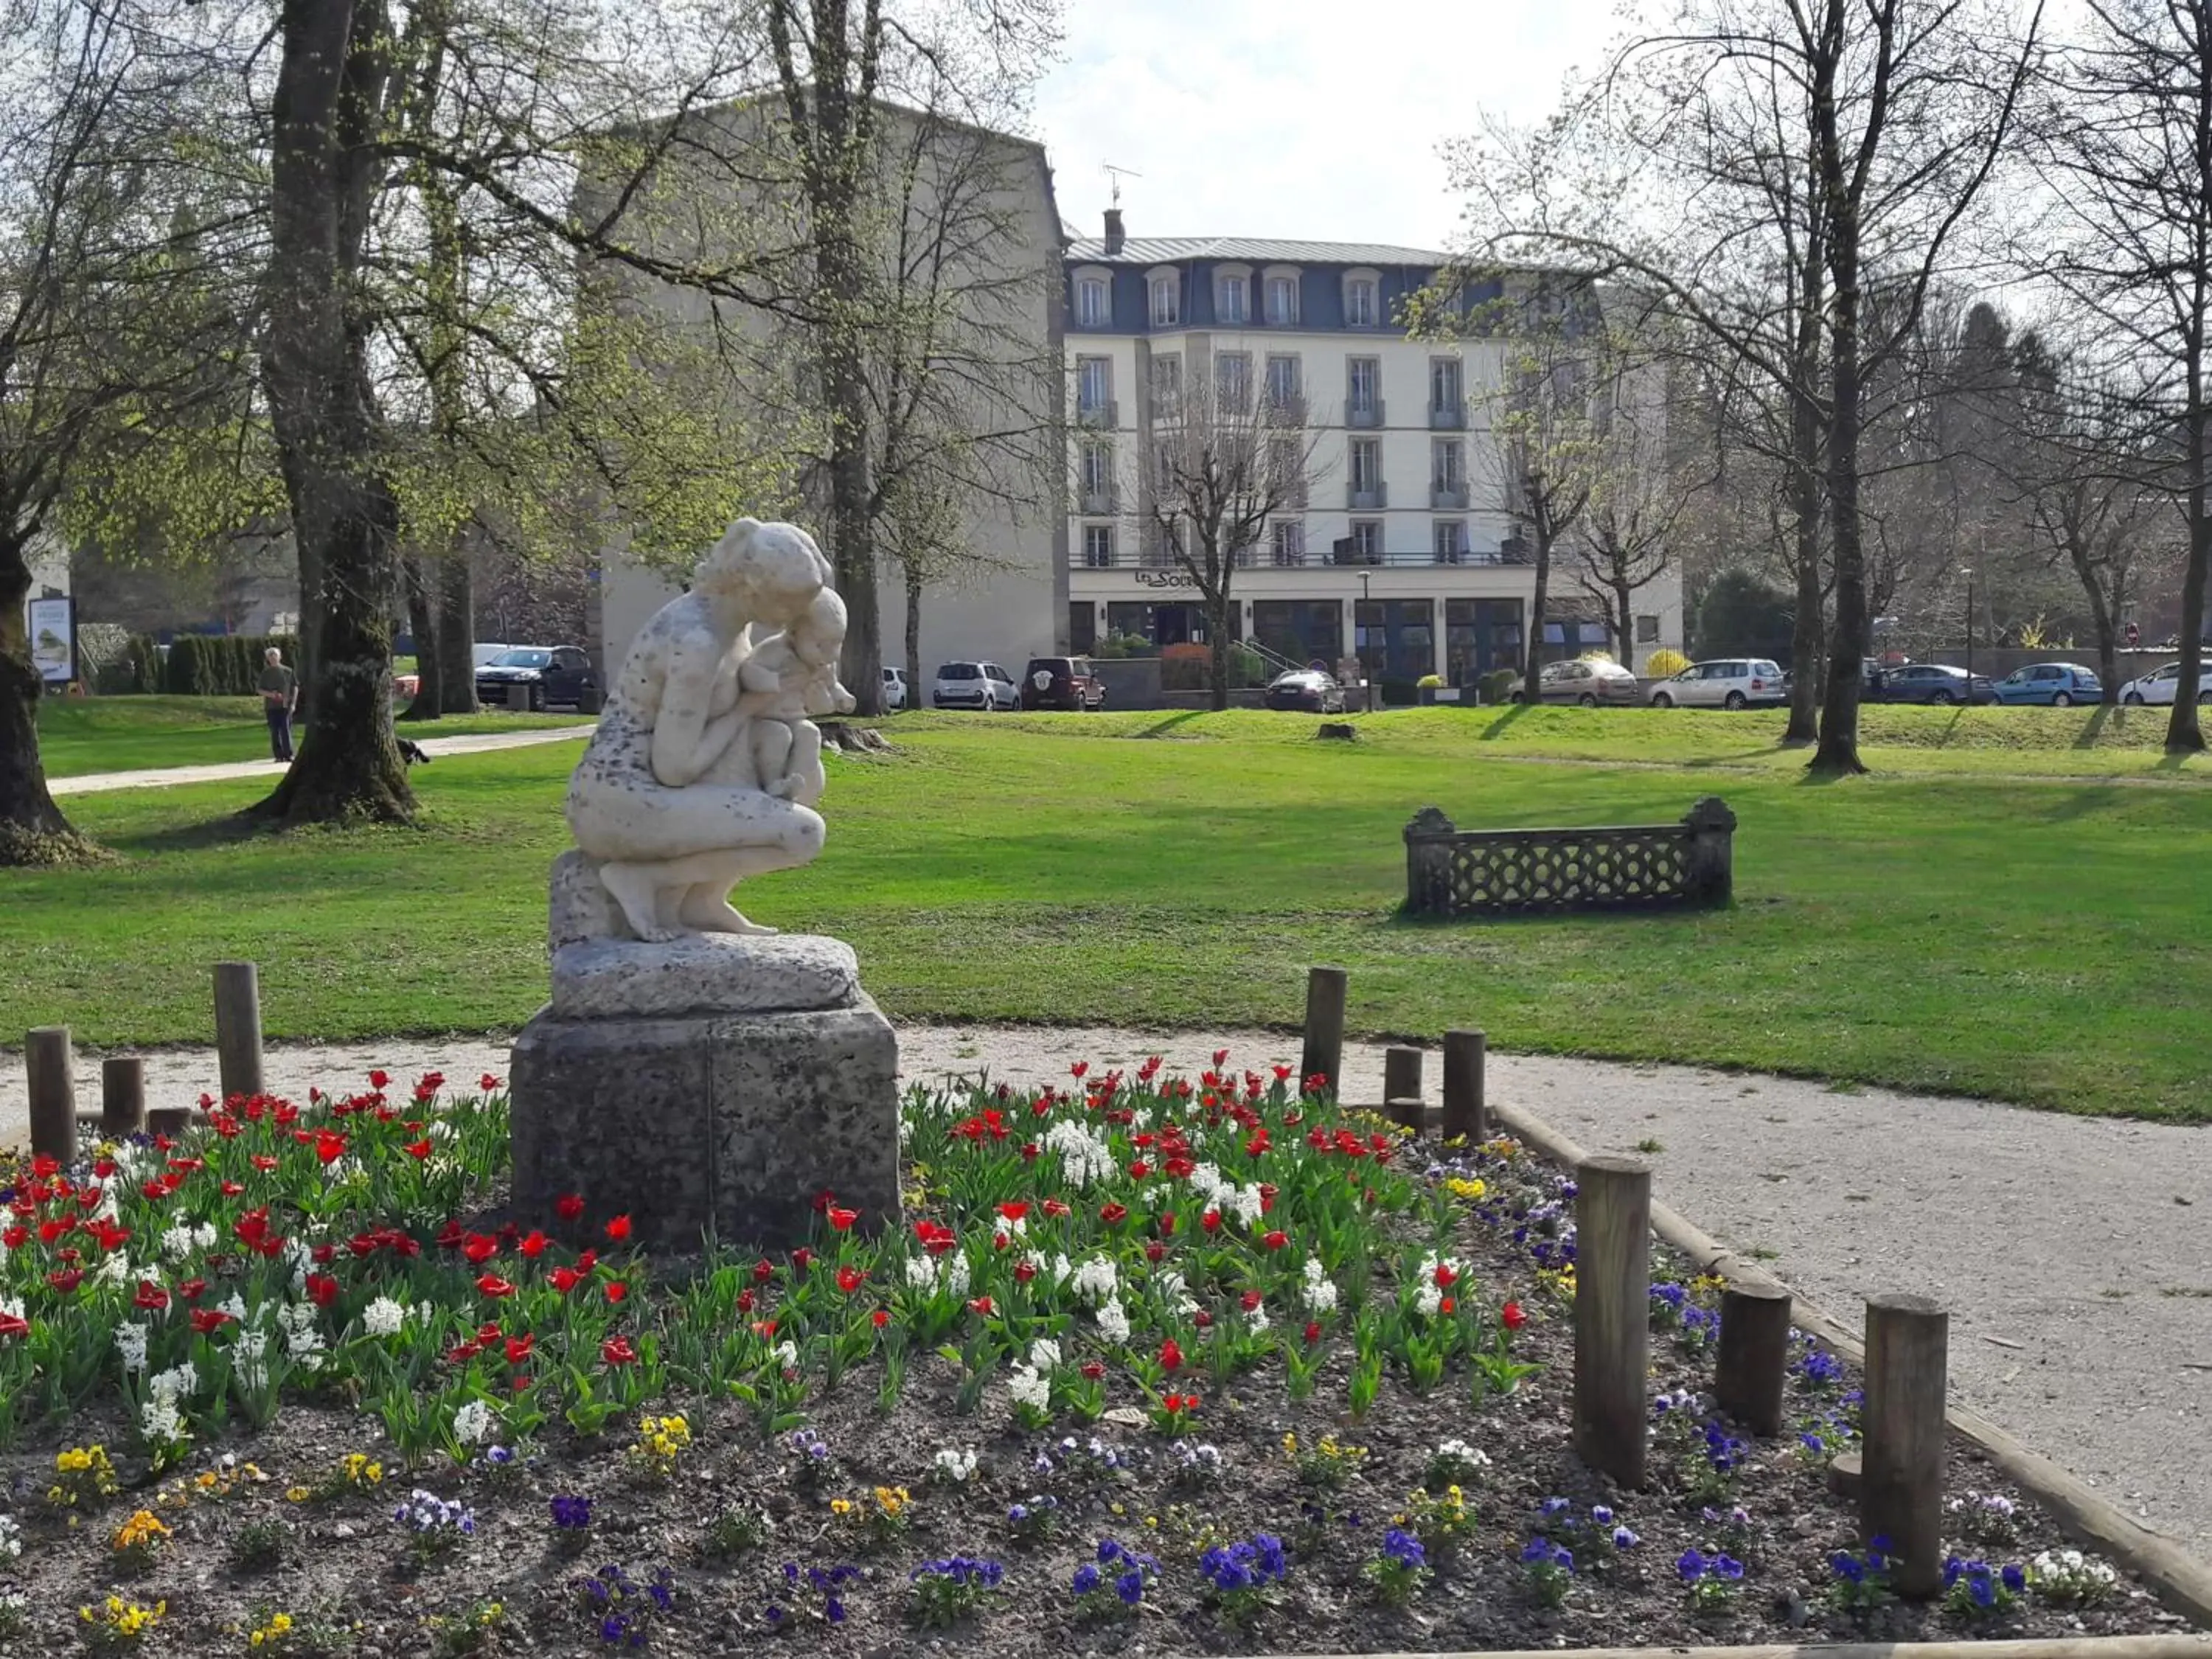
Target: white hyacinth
x,y
787,1355
1460,1452
474,1423
956,1276
161,1422
115,1270
921,1272
180,1382
1098,1280
1245,1203
1319,1291
180,1241
1083,1155
1114,1322
383,1317
251,1356
1044,1354
954,1464
130,1343
1428,1300
1029,1389
11,1539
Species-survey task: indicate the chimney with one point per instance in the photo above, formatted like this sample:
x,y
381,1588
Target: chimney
x,y
1113,231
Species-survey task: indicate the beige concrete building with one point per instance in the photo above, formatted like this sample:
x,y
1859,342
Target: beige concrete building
x,y
1002,595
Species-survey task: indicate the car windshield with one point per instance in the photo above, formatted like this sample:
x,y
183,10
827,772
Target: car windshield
x,y
960,670
523,659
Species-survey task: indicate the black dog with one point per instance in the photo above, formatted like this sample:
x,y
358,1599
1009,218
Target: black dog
x,y
411,752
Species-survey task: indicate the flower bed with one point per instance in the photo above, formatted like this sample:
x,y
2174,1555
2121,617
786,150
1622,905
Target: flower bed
x,y
1198,1365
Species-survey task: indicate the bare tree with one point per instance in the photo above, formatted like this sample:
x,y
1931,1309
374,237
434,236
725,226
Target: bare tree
x,y
109,352
1226,461
1642,480
2124,137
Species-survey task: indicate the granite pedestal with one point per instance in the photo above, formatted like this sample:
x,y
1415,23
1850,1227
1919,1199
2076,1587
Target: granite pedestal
x,y
721,1124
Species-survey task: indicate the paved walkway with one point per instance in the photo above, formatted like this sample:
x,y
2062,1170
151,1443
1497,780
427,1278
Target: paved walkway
x,y
159,777
2075,1253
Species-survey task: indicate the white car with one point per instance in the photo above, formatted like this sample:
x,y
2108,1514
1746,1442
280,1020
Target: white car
x,y
1725,682
894,687
983,685
2157,687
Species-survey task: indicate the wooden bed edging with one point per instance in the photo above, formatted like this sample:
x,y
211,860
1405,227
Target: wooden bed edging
x,y
2180,1581
2063,1647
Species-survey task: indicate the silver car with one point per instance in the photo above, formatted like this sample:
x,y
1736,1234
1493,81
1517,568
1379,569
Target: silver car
x,y
1723,683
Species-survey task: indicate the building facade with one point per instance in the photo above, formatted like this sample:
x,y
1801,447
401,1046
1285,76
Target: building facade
x,y
1002,595
1405,552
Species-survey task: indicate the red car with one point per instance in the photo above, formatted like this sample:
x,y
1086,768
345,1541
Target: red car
x,y
1062,682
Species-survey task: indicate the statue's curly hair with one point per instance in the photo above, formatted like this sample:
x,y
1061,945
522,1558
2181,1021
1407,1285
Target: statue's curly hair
x,y
753,556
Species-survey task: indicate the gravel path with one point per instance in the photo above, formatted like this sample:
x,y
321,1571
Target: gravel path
x,y
92,783
2075,1253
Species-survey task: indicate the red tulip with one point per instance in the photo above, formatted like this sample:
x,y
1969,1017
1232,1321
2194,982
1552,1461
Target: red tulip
x,y
841,1220
67,1281
1211,1221
1139,1169
763,1270
1251,1301
417,1148
1092,1370
322,1290
617,1351
879,1319
479,1248
1024,1272
802,1258
1055,1209
982,1304
190,1289
1511,1316
617,1291
518,1347
1170,1355
151,1296
1015,1211
208,1321
568,1205
533,1245
1113,1214
493,1285
1313,1330
1445,1275
745,1301
618,1229
565,1279
377,1081
14,1325
489,1083
850,1279
1276,1240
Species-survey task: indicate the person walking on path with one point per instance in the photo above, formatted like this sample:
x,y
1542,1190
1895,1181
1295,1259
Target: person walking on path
x,y
280,696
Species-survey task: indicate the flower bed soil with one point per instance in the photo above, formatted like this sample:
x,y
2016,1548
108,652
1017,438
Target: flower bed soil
x,y
1495,1221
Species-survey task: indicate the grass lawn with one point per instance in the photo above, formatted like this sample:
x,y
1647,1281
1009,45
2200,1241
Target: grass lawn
x,y
2049,942
82,735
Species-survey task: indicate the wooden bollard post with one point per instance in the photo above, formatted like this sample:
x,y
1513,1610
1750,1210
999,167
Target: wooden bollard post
x,y
237,1027
1464,1113
122,1095
1753,1360
1612,1314
1324,1049
1902,1454
170,1121
51,1075
1401,1086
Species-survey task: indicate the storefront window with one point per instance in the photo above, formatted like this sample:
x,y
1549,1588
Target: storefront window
x,y
1304,630
1479,635
1396,638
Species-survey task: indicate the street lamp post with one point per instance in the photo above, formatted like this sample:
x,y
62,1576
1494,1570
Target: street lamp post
x,y
1969,570
1356,626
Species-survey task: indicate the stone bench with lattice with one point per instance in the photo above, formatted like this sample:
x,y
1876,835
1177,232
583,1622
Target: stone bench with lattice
x,y
1451,871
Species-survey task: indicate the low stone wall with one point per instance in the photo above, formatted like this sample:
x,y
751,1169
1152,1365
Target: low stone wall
x,y
1451,871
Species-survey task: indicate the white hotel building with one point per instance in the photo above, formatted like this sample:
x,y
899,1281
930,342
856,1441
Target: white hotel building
x,y
1405,552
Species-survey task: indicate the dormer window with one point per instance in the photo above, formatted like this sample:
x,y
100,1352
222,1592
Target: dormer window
x,y
1091,309
1363,300
1166,288
1232,296
1282,299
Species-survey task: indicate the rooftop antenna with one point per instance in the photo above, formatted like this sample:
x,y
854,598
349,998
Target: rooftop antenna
x,y
1117,175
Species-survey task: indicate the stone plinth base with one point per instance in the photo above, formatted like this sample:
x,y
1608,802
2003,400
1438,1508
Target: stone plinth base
x,y
721,1124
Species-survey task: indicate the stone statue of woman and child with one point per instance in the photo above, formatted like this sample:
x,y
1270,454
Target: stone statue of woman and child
x,y
694,1069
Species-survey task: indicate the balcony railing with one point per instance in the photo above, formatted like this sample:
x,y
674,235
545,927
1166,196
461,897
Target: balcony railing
x,y
1098,414
1447,417
1363,416
1286,409
1369,495
1447,497
1100,503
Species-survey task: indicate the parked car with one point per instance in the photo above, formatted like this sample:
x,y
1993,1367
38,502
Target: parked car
x,y
2057,684
894,687
983,685
1584,682
1723,683
2158,686
1305,690
552,674
484,650
1927,682
1062,682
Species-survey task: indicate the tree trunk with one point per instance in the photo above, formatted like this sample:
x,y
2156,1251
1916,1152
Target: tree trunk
x,y
1838,753
31,828
323,171
1532,651
1806,631
1623,597
1219,609
2185,731
423,622
913,642
2105,618
456,631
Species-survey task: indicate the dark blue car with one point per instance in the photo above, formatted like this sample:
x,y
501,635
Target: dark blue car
x,y
2057,685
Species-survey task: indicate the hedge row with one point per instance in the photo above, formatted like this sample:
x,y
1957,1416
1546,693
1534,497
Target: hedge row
x,y
198,665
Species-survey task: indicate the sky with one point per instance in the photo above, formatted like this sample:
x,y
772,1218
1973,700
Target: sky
x,y
1313,118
